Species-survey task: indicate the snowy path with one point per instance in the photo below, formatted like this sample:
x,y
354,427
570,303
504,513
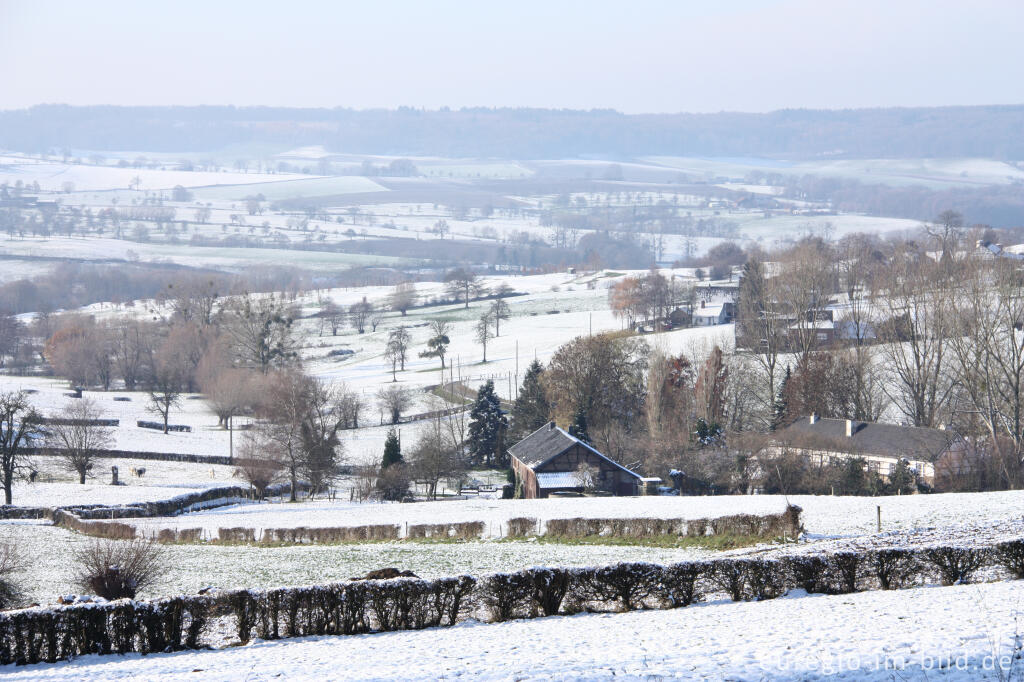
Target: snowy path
x,y
923,633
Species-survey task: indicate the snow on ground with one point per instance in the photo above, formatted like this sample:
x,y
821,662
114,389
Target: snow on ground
x,y
824,516
192,567
51,176
964,632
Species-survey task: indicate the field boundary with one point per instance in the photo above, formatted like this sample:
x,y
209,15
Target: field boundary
x,y
367,606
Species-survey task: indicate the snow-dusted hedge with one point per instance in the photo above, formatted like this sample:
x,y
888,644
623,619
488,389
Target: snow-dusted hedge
x,y
159,426
786,524
364,606
468,530
11,511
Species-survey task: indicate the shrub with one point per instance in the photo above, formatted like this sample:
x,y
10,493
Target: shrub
x,y
507,595
118,569
954,564
628,584
894,568
729,576
808,572
680,583
521,527
844,572
11,563
1010,555
236,535
765,578
550,587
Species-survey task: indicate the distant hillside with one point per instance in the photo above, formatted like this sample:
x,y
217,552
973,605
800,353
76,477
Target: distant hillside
x,y
995,132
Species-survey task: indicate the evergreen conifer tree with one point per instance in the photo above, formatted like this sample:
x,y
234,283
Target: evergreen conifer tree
x,y
392,451
487,426
531,409
578,428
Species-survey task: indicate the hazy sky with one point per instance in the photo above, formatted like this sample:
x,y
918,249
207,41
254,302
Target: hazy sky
x,y
635,56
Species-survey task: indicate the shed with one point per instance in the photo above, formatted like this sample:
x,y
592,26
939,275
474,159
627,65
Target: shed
x,y
550,460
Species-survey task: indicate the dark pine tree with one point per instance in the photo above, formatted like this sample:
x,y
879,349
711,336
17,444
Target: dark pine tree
x,y
487,427
531,409
578,428
780,408
392,451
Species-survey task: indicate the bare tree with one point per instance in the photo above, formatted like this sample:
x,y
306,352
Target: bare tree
x,y
403,297
483,332
434,457
77,437
394,400
334,315
988,358
165,388
19,423
261,331
285,410
463,284
257,462
398,344
916,297
499,311
359,313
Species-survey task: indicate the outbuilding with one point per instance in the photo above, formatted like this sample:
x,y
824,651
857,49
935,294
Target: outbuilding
x,y
550,460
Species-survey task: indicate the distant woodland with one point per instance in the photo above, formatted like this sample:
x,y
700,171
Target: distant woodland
x,y
995,132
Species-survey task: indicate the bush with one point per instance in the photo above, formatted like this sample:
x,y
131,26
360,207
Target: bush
x,y
118,569
1010,555
507,595
894,568
808,572
627,584
765,578
521,527
236,535
729,576
954,564
680,583
550,587
844,572
11,563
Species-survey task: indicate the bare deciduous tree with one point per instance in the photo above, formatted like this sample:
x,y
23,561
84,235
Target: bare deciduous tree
x,y
79,440
19,422
394,400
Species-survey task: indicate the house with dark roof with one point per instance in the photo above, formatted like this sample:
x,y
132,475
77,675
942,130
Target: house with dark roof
x,y
881,446
550,460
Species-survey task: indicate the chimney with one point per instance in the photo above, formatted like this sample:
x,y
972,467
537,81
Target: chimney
x,y
551,426
814,418
703,303
849,428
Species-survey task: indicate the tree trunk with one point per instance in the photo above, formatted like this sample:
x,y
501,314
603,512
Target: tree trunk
x,y
8,492
81,476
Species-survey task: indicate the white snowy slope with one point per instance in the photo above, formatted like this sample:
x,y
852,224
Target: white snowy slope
x,y
966,632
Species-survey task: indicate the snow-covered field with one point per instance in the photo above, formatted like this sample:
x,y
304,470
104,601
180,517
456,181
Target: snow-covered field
x,y
964,632
823,516
193,567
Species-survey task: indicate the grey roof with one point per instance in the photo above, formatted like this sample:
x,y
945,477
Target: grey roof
x,y
869,438
548,442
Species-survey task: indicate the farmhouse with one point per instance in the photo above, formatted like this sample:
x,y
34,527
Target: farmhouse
x,y
710,314
881,446
550,460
